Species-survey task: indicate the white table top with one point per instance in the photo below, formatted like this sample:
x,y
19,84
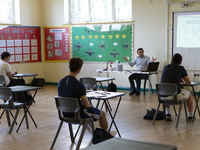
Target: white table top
x,y
103,94
24,75
127,71
102,79
20,88
193,83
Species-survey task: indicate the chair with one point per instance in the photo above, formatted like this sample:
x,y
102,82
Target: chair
x,y
89,83
167,95
2,81
145,80
8,104
71,105
3,84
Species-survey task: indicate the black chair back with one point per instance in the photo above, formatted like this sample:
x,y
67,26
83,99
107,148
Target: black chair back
x,y
69,105
167,92
89,83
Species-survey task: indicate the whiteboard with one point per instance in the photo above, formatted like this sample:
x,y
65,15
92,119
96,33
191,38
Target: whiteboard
x,y
186,38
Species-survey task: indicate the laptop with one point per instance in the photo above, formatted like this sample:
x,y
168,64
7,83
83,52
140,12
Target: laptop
x,y
153,66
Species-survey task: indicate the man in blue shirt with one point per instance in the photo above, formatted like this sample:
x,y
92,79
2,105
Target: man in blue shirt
x,y
69,86
175,73
142,62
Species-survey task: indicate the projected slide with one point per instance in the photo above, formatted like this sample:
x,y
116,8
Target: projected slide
x,y
188,30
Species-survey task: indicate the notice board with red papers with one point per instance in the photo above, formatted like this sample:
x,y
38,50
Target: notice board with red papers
x,y
22,42
57,43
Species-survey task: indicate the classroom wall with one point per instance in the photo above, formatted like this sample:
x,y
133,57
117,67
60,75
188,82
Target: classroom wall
x,y
175,6
30,15
150,33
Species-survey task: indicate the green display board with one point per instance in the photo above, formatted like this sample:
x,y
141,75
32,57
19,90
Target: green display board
x,y
101,43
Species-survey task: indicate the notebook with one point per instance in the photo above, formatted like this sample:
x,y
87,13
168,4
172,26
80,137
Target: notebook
x,y
153,66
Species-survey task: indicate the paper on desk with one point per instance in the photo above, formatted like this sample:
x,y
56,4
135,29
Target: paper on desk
x,y
96,94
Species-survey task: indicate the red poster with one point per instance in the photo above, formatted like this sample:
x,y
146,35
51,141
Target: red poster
x,y
57,44
22,42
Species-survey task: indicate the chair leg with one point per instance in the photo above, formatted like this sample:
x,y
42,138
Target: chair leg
x,y
92,124
71,132
12,116
179,113
8,117
2,113
81,136
55,138
175,110
155,115
186,112
14,120
74,137
145,85
151,86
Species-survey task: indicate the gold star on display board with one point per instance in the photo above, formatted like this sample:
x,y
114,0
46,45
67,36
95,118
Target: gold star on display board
x,y
117,36
90,37
103,36
123,36
96,37
110,36
76,37
83,37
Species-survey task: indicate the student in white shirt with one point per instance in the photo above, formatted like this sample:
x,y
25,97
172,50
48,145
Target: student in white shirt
x,y
5,70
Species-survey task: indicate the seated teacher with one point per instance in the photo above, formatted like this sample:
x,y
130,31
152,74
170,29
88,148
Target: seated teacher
x,y
142,62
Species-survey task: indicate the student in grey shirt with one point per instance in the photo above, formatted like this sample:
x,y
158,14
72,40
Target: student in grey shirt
x,y
141,61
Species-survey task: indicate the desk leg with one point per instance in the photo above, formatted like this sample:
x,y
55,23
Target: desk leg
x,y
197,106
101,86
113,116
149,86
33,95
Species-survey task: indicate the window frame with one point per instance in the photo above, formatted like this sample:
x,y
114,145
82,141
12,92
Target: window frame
x,y
16,14
67,13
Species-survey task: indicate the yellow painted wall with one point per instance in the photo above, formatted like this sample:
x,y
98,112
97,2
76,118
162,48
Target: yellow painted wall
x,y
152,32
30,15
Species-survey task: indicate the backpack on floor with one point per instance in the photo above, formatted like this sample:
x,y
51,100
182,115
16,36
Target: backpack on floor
x,y
23,97
100,135
38,82
150,114
112,87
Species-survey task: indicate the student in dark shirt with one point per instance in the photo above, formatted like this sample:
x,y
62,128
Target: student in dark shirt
x,y
69,86
175,73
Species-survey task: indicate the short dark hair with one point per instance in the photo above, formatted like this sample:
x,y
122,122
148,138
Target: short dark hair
x,y
140,49
5,54
75,64
177,58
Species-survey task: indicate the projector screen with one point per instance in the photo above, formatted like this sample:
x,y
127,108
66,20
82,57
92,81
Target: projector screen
x,y
186,38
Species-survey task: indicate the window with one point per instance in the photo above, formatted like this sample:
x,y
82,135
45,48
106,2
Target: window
x,y
82,11
101,10
79,10
9,11
123,10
